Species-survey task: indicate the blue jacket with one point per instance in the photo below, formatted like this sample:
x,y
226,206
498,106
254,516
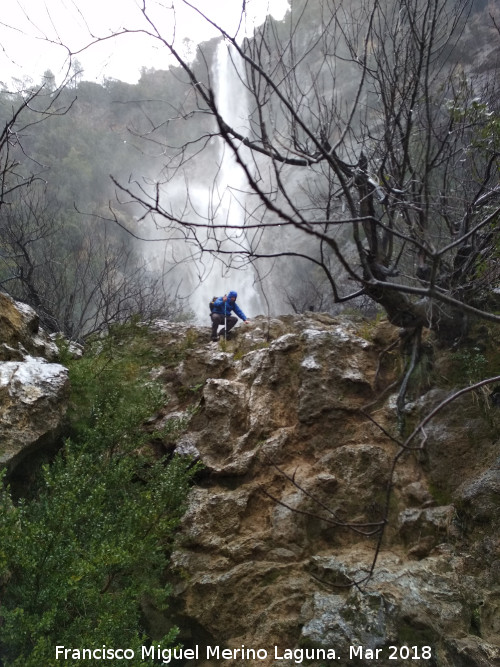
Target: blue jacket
x,y
225,307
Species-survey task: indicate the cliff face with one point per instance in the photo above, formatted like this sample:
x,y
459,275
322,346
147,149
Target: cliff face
x,y
267,557
296,423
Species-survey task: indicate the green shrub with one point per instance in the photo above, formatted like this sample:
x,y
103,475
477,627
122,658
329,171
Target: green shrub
x,y
79,557
471,364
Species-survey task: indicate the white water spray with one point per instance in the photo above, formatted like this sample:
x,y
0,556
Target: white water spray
x,y
228,198
220,196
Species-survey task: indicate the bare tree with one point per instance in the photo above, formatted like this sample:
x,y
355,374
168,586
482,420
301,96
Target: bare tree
x,y
368,150
20,112
80,278
77,273
368,143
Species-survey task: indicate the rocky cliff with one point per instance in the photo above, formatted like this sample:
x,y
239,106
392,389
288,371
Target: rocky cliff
x,y
311,535
280,546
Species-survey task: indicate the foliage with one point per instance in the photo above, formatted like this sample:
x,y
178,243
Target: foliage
x,y
78,558
472,364
56,253
80,276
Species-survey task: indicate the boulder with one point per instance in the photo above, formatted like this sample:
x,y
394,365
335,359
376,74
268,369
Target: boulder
x,y
33,388
21,334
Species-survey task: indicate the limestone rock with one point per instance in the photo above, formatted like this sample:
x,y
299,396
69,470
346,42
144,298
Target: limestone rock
x,y
21,334
33,389
481,496
33,395
299,484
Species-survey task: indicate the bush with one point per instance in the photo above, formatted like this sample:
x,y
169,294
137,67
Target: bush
x,y
78,558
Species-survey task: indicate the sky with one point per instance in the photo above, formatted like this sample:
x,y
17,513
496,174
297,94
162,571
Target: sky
x,y
36,35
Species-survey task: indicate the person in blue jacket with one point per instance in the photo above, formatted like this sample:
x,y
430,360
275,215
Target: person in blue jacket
x,y
221,315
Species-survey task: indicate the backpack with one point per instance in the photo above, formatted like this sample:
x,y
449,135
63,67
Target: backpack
x,y
212,303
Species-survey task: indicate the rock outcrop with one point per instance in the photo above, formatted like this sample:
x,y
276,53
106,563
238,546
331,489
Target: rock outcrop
x,y
281,551
279,546
33,387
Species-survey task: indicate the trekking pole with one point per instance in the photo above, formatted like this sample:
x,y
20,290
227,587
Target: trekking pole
x,y
225,325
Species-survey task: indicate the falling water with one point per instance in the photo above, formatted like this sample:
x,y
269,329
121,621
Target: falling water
x,y
228,196
220,196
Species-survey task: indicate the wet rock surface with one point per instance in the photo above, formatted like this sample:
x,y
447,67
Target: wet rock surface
x,y
33,388
297,481
295,422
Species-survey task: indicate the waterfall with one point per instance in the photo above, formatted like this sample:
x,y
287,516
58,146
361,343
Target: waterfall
x,y
227,198
219,195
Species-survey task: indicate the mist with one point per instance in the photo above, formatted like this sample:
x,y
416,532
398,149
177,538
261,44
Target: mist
x,y
131,161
